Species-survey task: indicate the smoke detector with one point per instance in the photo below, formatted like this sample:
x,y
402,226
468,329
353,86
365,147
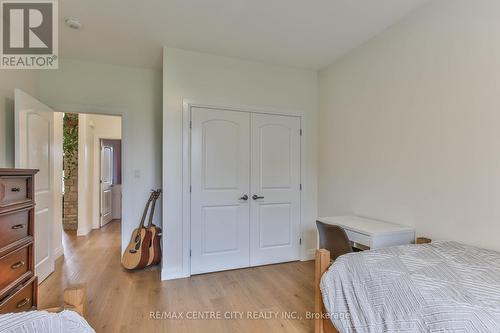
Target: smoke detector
x,y
73,23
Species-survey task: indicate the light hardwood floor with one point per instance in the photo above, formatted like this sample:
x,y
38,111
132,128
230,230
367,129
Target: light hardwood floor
x,y
121,301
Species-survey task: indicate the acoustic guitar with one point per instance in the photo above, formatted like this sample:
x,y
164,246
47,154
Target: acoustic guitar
x,y
136,254
155,245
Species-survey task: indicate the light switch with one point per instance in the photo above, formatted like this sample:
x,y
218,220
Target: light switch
x,y
137,173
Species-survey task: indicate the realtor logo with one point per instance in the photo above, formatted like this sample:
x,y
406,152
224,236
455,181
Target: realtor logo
x,y
28,35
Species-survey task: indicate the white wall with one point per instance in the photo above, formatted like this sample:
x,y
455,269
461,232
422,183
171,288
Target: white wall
x,y
92,128
85,174
134,93
57,249
227,81
10,80
410,125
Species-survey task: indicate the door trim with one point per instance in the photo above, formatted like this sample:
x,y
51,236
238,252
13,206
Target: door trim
x,y
186,174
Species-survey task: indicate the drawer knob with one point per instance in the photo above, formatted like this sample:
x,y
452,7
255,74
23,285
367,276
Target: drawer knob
x,y
23,303
15,189
18,226
17,265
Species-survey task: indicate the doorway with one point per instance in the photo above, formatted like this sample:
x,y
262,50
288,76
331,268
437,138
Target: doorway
x,y
95,179
91,172
40,144
110,181
245,189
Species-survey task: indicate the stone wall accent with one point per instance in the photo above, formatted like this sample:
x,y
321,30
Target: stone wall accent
x,y
70,161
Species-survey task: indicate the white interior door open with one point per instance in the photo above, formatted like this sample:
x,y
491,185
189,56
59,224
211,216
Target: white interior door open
x,y
34,149
106,183
220,178
275,189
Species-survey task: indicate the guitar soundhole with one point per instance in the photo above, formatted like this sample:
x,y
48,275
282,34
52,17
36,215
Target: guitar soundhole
x,y
137,243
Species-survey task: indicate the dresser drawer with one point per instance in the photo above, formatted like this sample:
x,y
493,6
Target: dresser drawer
x,y
23,299
14,266
13,190
14,226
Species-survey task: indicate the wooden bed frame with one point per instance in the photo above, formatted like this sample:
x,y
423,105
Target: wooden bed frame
x,y
322,323
75,299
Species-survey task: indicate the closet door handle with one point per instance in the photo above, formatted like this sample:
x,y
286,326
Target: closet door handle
x,y
245,197
257,197
15,189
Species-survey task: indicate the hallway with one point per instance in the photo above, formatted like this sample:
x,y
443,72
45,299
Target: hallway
x,y
121,301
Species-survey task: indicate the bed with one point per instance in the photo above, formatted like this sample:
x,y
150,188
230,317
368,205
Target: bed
x,y
436,287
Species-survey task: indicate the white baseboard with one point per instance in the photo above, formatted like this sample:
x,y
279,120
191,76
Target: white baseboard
x,y
83,231
166,275
58,252
43,271
308,254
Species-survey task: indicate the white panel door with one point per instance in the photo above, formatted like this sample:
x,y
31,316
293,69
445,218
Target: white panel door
x,y
275,189
220,161
106,184
34,149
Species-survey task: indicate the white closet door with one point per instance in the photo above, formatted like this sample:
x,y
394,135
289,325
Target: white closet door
x,y
220,160
275,189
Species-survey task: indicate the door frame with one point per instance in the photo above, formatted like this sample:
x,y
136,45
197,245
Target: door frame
x,y
187,105
83,109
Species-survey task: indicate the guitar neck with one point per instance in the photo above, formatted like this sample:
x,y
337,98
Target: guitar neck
x,y
151,214
145,213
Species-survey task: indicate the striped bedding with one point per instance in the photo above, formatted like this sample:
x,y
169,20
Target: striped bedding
x,y
44,322
437,287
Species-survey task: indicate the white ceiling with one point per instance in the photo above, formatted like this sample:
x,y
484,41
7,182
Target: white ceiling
x,y
301,33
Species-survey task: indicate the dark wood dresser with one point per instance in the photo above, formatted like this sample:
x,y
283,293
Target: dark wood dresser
x,y
18,283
